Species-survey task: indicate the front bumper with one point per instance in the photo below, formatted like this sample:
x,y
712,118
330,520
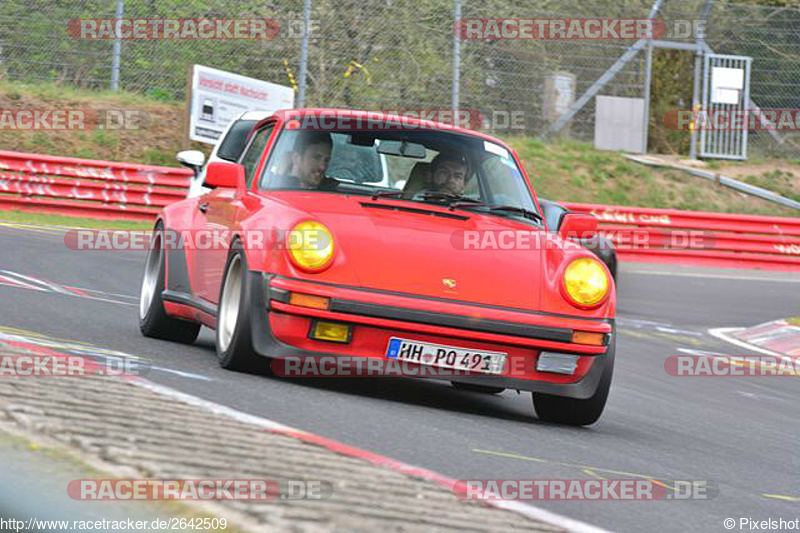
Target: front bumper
x,y
281,330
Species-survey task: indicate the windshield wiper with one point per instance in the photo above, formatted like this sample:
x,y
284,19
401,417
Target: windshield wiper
x,y
456,200
527,213
387,194
453,199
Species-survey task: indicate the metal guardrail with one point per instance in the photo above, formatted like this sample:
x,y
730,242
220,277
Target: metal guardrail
x,y
722,180
712,239
85,187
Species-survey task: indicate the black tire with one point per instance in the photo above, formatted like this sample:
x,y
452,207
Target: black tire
x,y
612,265
153,320
484,389
235,348
608,255
574,412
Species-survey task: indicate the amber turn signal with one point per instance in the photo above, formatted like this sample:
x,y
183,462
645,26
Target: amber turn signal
x,y
586,337
309,300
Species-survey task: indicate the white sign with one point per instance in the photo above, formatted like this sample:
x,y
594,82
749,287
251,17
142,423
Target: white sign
x,y
218,97
565,93
726,85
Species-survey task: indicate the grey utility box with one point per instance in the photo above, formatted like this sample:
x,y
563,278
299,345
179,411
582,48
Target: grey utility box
x,y
619,124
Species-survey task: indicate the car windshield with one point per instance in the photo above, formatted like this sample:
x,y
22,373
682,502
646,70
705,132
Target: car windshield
x,y
428,166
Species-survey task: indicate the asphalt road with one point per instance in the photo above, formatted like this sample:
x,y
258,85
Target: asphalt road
x,y
739,433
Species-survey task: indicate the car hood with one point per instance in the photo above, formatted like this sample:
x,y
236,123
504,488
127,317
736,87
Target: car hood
x,y
414,248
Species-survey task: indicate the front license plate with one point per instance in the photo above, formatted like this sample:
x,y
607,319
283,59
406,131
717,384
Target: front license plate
x,y
444,356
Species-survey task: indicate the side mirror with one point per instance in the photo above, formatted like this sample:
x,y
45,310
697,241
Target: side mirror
x,y
193,159
226,175
578,226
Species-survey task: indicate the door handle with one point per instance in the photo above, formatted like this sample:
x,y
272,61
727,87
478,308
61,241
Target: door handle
x,y
203,207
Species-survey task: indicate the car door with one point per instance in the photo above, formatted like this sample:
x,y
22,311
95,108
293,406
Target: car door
x,y
223,209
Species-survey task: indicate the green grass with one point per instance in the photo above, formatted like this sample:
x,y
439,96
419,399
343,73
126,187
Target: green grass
x,y
20,217
573,171
105,139
159,157
15,90
776,181
156,141
41,142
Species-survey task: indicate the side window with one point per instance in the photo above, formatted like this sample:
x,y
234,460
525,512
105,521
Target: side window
x,y
235,141
505,184
252,155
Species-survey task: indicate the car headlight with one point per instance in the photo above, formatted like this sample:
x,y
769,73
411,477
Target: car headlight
x,y
310,245
586,282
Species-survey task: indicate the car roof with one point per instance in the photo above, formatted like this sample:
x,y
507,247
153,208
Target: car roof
x,y
258,115
288,114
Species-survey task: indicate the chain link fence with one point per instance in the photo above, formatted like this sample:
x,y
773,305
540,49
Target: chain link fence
x,y
398,54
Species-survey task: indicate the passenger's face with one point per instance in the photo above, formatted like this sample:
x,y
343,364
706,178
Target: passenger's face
x,y
451,177
311,165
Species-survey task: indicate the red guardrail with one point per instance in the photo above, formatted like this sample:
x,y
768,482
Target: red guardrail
x,y
713,239
86,187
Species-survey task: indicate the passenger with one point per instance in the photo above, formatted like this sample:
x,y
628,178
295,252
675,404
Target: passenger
x,y
310,159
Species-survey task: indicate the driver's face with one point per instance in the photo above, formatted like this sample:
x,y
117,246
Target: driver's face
x,y
450,177
311,165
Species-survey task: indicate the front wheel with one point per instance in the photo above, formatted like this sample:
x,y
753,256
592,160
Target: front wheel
x,y
234,338
153,320
572,411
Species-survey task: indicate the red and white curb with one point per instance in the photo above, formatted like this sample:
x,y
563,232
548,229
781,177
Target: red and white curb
x,y
271,426
781,336
778,338
726,334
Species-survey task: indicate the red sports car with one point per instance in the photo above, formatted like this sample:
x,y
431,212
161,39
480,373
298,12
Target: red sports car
x,y
362,236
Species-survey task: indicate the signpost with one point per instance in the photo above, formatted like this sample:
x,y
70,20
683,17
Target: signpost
x,y
217,97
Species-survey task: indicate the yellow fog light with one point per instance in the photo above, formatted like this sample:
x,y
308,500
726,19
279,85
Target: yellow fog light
x,y
586,283
330,331
310,246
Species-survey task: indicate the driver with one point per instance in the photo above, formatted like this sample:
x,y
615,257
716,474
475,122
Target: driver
x,y
310,159
448,173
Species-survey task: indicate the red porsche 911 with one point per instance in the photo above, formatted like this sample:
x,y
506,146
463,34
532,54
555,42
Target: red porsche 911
x,y
353,235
